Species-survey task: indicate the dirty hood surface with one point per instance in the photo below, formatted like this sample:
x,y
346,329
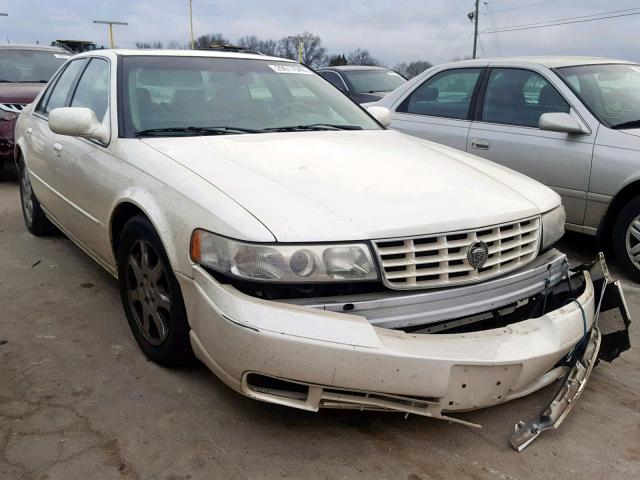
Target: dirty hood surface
x,y
351,185
20,92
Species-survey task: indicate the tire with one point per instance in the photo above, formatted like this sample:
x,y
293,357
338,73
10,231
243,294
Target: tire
x,y
151,295
626,238
34,218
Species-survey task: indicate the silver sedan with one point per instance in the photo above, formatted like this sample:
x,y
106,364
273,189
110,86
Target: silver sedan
x,y
572,123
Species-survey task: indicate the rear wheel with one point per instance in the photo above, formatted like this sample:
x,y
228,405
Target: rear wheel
x,y
151,295
626,238
34,218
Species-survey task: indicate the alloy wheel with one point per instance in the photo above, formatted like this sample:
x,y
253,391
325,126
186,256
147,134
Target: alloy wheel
x,y
633,241
148,292
26,195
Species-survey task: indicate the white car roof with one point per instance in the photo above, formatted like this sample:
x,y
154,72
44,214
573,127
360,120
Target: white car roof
x,y
546,61
183,53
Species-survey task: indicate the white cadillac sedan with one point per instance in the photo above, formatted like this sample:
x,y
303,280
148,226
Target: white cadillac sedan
x,y
256,217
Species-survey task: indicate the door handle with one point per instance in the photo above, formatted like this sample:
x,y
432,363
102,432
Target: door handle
x,y
57,149
29,131
480,144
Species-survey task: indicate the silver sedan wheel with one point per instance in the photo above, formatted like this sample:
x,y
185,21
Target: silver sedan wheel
x,y
148,292
26,195
633,241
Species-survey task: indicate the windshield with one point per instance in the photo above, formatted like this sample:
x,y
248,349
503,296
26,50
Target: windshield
x,y
370,81
612,92
29,66
171,96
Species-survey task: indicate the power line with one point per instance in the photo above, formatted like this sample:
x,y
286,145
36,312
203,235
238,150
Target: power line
x,y
518,7
555,23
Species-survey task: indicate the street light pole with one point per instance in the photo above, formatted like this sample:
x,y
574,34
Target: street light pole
x,y
111,24
193,43
300,40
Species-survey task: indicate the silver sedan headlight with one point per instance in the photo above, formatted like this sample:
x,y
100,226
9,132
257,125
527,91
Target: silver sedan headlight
x,y
283,263
553,226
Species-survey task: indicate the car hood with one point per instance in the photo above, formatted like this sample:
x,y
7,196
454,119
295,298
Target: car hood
x,y
19,92
353,185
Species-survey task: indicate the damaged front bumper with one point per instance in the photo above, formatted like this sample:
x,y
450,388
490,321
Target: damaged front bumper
x,y
608,338
428,353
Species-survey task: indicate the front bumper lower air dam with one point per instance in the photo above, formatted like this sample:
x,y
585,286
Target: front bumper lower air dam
x,y
608,338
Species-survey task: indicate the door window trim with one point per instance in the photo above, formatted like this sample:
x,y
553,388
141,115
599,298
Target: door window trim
x,y
480,99
472,103
346,89
72,88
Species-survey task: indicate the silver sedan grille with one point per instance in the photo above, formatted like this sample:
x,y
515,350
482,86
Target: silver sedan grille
x,y
442,260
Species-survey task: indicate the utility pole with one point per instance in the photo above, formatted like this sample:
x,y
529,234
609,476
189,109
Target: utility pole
x,y
475,27
111,24
193,43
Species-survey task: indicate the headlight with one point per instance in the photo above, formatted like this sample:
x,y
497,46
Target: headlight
x,y
283,263
553,226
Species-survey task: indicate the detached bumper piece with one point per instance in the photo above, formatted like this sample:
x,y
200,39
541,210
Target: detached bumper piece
x,y
609,337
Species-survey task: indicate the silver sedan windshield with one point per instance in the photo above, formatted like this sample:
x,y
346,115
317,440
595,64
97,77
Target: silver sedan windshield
x,y
173,95
612,91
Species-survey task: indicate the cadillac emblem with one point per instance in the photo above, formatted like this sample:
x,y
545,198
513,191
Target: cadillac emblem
x,y
477,254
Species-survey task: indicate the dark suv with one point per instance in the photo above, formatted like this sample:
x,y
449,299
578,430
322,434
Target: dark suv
x,y
24,71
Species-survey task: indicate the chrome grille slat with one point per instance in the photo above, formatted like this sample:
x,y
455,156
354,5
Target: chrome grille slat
x,y
12,107
440,260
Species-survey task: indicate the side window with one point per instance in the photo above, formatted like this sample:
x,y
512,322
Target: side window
x,y
62,88
93,88
446,94
335,80
519,97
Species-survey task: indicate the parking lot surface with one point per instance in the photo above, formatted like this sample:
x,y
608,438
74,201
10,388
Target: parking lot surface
x,y
79,400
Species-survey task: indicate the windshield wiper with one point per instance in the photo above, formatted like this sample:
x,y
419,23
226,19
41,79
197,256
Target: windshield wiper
x,y
630,124
196,131
314,127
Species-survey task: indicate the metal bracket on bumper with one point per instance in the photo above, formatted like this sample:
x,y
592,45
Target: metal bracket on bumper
x,y
609,337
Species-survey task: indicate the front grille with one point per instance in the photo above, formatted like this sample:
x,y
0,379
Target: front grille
x,y
12,107
441,260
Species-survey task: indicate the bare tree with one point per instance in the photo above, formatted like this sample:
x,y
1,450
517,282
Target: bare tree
x,y
251,42
362,57
156,45
175,45
413,69
209,40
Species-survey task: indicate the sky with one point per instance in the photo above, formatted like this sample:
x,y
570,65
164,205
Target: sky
x,y
393,31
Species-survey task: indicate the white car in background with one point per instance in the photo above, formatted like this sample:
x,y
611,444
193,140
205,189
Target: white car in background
x,y
257,217
572,123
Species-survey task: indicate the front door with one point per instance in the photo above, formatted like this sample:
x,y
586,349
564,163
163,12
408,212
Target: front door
x,y
47,163
506,131
439,109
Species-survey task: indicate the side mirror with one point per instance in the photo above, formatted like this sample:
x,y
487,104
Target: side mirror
x,y
381,114
559,122
77,122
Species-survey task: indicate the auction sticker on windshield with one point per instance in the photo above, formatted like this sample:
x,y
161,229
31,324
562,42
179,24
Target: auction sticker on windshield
x,y
290,69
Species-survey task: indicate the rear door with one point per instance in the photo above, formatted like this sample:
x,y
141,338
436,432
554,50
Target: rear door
x,y
441,107
505,130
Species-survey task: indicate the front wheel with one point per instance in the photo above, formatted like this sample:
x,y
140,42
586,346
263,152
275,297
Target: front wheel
x,y
151,295
626,238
